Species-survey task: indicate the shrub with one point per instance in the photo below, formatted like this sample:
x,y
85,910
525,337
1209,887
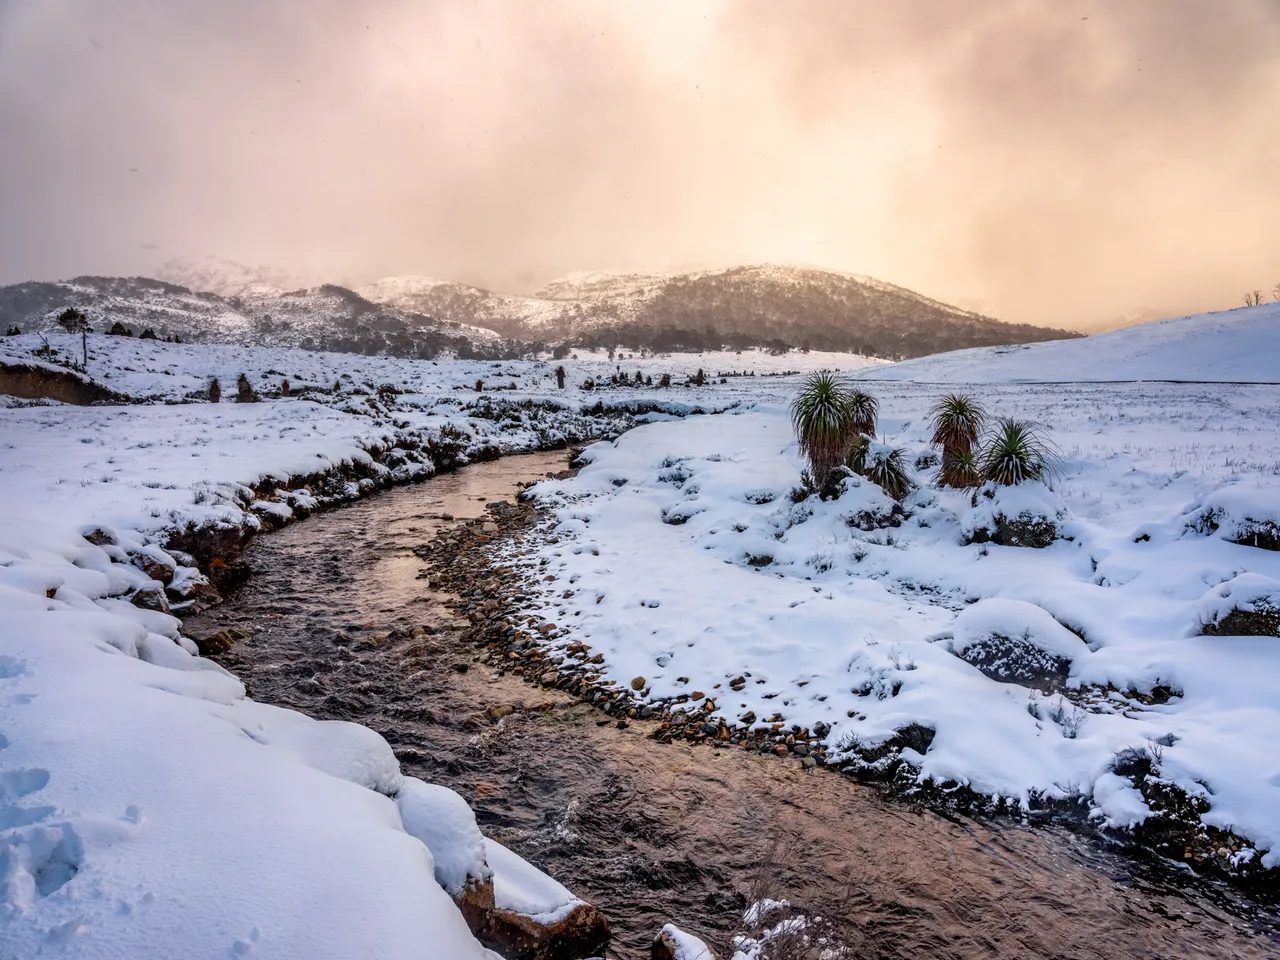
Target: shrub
x,y
560,377
826,424
118,329
1015,452
664,380
14,331
244,390
883,466
479,386
284,388
149,334
215,391
957,421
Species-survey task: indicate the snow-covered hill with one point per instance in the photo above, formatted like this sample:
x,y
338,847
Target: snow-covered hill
x,y
325,317
795,305
1234,346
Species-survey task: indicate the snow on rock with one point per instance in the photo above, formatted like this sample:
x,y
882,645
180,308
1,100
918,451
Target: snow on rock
x,y
674,944
1026,514
1014,642
444,822
535,916
1246,513
1245,605
519,887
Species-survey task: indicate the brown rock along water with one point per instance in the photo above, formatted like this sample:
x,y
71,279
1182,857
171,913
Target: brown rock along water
x,y
341,624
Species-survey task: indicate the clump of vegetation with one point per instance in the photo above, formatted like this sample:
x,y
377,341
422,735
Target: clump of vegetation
x,y
664,380
884,467
118,329
1253,298
73,321
215,391
1015,452
284,388
14,331
244,390
864,409
479,386
149,334
560,377
826,425
957,422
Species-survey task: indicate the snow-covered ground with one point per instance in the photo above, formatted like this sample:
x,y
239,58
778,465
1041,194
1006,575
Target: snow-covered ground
x,y
148,808
690,567
1233,346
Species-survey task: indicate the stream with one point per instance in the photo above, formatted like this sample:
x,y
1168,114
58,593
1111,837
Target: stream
x,y
652,833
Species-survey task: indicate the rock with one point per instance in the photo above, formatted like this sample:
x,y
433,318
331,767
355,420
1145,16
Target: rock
x,y
151,598
501,710
674,944
697,695
820,730
155,568
489,527
219,642
782,749
809,763
535,918
100,537
637,683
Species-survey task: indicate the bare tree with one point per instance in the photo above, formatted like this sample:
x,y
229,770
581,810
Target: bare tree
x,y
1275,293
1253,298
73,321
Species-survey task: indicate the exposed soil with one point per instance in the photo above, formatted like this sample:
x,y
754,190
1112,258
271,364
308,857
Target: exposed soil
x,y
341,624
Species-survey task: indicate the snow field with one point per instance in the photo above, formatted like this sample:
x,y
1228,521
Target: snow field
x,y
691,568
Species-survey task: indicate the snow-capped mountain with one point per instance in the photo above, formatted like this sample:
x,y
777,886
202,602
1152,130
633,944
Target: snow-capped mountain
x,y
746,305
325,317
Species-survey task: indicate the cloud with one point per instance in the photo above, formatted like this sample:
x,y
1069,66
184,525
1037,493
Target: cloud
x,y
1060,161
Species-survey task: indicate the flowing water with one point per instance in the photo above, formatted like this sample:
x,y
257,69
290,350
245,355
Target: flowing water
x,y
653,833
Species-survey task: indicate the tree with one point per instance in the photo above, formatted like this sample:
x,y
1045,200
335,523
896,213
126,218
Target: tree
x,y
1253,298
559,351
73,321
118,329
664,380
560,377
1275,293
215,391
14,331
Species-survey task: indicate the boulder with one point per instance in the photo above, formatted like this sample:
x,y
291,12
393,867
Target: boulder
x,y
535,918
674,944
151,598
1247,605
1013,641
1027,514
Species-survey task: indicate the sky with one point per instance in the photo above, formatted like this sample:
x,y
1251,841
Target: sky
x,y
1074,163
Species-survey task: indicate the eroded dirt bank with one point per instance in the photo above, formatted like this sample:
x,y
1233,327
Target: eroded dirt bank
x,y
340,623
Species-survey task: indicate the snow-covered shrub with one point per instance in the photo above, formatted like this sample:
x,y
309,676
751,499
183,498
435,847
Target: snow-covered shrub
x,y
883,465
1247,605
1013,641
1027,514
1243,513
865,505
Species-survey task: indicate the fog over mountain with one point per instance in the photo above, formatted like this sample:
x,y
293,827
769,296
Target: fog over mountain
x,y
1061,162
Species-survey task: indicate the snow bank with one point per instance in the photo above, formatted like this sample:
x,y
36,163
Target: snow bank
x,y
1231,346
445,824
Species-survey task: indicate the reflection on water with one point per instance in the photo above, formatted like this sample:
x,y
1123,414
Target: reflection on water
x,y
652,833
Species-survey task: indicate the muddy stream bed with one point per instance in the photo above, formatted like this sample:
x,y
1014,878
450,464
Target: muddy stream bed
x,y
652,833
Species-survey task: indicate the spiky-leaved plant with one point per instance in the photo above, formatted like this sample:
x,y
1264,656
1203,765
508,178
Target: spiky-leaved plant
x,y
825,423
865,408
960,470
957,421
883,465
1015,452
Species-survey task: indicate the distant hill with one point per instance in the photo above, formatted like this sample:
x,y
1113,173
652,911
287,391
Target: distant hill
x,y
777,307
736,307
324,318
1232,346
